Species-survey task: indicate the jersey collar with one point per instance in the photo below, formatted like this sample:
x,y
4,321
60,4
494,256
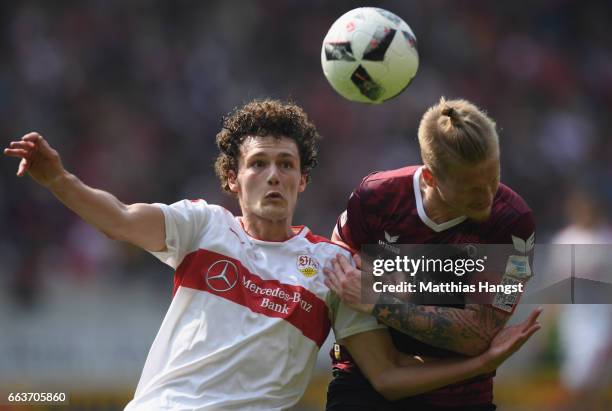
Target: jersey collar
x,y
421,209
299,231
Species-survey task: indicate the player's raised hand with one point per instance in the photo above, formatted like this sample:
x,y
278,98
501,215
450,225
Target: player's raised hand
x,y
510,339
38,158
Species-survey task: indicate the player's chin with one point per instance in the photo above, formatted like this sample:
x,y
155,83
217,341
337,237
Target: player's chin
x,y
276,210
479,215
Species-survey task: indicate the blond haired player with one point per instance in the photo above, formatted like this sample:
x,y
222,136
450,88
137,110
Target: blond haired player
x,y
455,197
250,307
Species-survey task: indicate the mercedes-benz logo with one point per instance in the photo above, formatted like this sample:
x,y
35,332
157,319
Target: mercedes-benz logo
x,y
222,276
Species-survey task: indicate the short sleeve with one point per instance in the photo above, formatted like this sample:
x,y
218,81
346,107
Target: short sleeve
x,y
517,264
346,321
185,222
351,225
512,222
518,231
523,234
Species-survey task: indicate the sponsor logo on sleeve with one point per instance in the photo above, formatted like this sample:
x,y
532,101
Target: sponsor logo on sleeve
x,y
517,266
507,302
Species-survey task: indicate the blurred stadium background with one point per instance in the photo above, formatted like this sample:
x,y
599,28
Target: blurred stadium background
x,y
132,92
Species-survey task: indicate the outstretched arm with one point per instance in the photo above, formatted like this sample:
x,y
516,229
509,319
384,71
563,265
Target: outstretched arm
x,y
396,377
139,224
465,331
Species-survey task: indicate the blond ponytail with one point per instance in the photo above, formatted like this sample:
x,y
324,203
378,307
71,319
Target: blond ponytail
x,y
456,132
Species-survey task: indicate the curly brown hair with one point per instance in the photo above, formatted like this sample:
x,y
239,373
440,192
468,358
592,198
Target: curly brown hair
x,y
265,118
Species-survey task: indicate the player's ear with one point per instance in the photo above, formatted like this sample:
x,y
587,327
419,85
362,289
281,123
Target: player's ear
x,y
303,181
428,177
232,181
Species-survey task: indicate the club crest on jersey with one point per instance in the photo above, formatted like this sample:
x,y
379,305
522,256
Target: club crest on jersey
x,y
307,265
471,250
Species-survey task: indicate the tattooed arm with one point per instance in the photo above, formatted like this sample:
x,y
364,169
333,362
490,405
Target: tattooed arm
x,y
396,376
466,331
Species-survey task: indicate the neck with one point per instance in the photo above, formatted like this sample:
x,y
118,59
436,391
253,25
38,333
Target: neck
x,y
267,230
435,207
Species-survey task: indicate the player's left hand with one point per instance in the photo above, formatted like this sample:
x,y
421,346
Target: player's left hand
x,y
509,340
345,280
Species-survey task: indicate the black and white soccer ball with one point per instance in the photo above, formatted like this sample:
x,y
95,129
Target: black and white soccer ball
x,y
369,55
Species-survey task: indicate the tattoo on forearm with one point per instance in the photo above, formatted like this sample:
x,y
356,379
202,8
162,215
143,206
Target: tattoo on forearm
x,y
459,330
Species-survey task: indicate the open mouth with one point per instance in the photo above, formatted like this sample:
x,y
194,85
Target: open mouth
x,y
274,195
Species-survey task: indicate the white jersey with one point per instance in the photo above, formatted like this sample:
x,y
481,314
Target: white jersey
x,y
247,317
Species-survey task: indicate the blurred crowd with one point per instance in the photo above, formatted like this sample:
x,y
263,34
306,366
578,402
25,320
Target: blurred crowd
x,y
132,93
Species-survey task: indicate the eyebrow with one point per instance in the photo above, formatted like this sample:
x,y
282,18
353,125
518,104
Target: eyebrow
x,y
284,154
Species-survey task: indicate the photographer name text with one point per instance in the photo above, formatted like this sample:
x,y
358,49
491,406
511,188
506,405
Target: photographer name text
x,y
450,287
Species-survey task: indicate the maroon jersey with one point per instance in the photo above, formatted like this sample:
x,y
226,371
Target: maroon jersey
x,y
387,208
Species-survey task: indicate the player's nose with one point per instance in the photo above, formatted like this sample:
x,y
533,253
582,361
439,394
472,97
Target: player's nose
x,y
273,175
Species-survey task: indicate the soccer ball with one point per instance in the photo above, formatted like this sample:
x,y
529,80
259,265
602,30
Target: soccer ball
x,y
369,55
